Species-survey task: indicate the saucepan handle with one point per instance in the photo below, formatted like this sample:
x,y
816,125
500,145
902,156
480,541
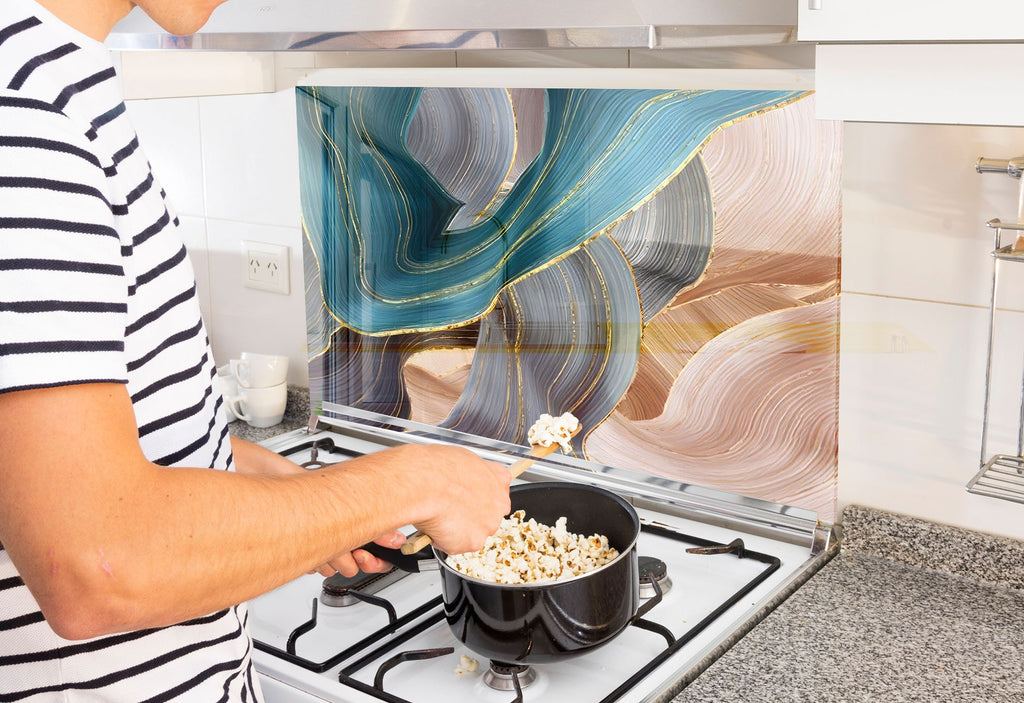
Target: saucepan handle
x,y
416,562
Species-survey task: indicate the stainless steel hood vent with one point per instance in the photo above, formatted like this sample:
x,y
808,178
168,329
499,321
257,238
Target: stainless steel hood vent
x,y
466,25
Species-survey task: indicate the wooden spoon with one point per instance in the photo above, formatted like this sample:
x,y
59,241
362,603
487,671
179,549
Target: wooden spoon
x,y
418,540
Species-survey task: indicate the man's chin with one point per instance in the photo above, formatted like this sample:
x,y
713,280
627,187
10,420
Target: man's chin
x,y
180,20
180,28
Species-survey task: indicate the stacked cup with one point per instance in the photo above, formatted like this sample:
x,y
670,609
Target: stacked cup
x,y
255,388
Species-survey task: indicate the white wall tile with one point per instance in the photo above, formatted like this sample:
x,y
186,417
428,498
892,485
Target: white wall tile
x,y
168,131
290,67
250,158
168,74
245,319
294,59
911,402
914,210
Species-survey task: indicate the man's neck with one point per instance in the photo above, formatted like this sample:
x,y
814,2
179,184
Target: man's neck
x,y
94,18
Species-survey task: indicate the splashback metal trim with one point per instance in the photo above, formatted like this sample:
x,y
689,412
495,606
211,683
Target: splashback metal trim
x,y
786,522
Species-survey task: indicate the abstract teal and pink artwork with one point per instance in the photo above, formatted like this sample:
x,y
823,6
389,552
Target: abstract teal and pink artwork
x,y
662,263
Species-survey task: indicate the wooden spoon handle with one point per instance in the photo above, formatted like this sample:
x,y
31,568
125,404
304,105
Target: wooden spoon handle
x,y
418,540
415,542
536,452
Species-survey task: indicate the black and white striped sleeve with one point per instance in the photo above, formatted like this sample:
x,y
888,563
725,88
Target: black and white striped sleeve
x,y
63,290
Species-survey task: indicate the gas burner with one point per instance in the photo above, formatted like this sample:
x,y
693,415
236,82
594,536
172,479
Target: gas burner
x,y
339,591
314,463
502,677
322,444
652,567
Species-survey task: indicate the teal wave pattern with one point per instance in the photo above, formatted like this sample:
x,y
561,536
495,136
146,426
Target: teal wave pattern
x,y
394,248
529,361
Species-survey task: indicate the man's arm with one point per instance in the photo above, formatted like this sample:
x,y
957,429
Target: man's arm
x,y
107,541
253,459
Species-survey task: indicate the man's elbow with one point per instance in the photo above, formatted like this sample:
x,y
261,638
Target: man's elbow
x,y
84,604
74,623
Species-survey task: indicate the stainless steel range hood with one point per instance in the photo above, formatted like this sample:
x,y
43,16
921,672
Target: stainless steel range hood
x,y
365,25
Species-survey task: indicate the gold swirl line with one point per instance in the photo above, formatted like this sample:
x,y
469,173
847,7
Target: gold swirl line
x,y
512,162
753,113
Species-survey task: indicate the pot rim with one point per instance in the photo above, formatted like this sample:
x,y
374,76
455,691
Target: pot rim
x,y
441,556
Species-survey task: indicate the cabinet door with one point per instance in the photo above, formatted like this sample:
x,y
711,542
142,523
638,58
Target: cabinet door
x,y
910,20
954,83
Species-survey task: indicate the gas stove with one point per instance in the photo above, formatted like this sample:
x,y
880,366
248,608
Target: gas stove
x,y
712,565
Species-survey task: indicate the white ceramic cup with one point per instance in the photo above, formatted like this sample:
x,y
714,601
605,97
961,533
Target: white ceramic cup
x,y
228,388
260,407
259,370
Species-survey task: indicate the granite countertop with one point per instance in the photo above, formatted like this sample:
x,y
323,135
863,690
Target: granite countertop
x,y
296,415
907,611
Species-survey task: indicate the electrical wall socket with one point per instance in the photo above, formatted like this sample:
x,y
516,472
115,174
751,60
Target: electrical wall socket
x,y
265,267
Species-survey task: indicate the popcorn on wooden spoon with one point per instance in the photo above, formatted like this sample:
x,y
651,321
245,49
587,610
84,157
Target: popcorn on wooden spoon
x,y
550,430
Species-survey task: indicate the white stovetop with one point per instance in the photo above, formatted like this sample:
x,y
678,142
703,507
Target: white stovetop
x,y
700,584
585,678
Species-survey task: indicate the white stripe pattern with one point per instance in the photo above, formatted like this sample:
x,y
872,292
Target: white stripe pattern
x,y
95,286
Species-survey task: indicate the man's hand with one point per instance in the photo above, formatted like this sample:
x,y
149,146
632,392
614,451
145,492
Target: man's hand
x,y
351,563
468,497
465,496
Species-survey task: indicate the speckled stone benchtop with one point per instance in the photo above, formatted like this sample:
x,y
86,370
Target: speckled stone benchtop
x,y
917,542
908,611
296,414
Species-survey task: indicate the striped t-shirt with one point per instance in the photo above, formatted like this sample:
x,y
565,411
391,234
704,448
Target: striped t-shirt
x,y
95,286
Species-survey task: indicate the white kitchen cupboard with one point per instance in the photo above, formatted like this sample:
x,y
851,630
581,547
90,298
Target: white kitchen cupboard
x,y
975,84
909,20
937,61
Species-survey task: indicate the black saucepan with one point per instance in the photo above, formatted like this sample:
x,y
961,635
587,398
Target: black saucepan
x,y
543,622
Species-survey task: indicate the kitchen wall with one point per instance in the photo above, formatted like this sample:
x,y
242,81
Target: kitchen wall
x,y
916,283
230,168
227,157
916,265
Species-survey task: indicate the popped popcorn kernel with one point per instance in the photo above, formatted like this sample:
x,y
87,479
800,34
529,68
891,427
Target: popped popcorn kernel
x,y
525,551
550,430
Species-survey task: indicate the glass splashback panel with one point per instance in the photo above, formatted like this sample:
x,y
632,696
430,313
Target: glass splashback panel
x,y
664,264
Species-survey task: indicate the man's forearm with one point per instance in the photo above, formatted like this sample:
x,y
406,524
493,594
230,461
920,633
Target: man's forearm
x,y
217,539
118,543
251,458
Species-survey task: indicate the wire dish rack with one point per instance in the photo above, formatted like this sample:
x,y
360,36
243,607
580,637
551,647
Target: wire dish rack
x,y
1001,475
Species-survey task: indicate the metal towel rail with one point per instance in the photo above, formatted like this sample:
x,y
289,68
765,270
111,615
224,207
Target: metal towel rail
x,y
1001,475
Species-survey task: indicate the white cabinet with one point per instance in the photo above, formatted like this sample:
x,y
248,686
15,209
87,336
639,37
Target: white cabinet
x,y
927,61
927,83
910,20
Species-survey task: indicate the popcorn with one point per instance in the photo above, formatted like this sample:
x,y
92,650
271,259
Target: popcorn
x,y
525,551
553,430
467,665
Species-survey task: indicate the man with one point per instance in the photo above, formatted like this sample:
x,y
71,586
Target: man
x,y
124,555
